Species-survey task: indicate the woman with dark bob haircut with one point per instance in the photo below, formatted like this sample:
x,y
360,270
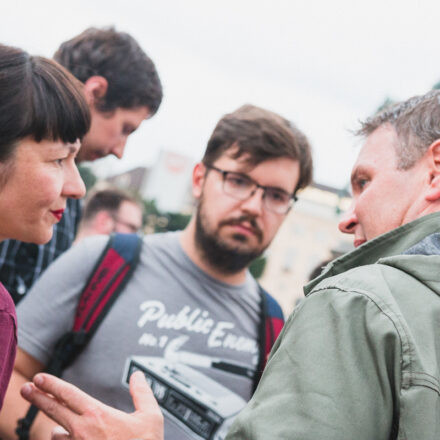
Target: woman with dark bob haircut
x,y
43,117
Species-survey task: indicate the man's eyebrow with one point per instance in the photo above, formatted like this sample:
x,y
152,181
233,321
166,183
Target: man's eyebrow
x,y
361,171
354,175
276,188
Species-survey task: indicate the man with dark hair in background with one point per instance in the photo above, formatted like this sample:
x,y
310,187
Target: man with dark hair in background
x,y
122,88
107,211
192,314
121,85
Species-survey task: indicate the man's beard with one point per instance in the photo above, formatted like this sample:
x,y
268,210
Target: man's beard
x,y
221,255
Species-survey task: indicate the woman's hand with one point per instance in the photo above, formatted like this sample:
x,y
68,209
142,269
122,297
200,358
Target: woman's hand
x,y
84,417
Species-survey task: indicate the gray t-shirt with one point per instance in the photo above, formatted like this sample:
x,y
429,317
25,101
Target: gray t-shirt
x,y
195,337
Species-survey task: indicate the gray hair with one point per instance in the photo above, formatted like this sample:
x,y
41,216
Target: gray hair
x,y
417,125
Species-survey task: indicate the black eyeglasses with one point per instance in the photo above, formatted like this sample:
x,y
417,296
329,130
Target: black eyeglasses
x,y
130,226
241,187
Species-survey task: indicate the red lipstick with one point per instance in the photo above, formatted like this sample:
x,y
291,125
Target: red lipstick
x,y
58,214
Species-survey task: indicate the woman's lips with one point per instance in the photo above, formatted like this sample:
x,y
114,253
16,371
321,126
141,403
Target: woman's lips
x,y
58,214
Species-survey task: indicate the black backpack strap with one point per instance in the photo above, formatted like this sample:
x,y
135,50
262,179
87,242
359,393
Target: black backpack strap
x,y
109,277
270,326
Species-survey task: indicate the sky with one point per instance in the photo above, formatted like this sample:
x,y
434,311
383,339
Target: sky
x,y
324,65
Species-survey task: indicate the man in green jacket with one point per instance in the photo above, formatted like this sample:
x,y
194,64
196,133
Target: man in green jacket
x,y
359,358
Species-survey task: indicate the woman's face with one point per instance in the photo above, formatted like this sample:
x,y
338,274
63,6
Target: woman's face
x,y
40,177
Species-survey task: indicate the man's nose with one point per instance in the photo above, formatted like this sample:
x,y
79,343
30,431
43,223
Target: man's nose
x,y
348,222
118,150
254,203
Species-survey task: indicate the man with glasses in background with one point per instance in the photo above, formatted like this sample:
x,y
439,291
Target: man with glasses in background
x,y
107,211
191,313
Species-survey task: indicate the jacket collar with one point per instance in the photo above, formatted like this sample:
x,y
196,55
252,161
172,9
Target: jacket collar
x,y
392,243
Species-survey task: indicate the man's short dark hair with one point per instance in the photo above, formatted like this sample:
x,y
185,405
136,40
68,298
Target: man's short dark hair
x,y
417,125
108,200
260,135
131,75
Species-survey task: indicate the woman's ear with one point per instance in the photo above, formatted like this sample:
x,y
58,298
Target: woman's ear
x,y
103,223
95,89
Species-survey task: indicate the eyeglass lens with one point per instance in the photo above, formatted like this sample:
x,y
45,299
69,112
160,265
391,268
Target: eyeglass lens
x,y
237,185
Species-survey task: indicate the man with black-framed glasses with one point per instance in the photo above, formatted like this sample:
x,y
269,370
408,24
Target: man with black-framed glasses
x,y
192,315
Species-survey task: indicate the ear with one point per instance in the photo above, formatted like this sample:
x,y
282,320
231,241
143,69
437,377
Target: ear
x,y
433,153
95,88
103,223
198,179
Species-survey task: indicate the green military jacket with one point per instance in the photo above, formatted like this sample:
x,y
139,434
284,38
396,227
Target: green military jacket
x,y
359,358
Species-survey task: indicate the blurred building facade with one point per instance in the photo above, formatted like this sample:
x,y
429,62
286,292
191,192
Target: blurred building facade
x,y
308,236
167,182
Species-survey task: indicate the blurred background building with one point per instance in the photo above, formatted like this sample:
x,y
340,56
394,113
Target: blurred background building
x,y
308,237
167,182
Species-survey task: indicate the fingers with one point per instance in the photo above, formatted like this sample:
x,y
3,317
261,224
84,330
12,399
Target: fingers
x,y
59,433
51,407
68,394
141,393
148,414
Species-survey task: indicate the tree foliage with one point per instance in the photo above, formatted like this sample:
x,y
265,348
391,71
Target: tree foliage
x,y
387,102
87,176
257,266
163,221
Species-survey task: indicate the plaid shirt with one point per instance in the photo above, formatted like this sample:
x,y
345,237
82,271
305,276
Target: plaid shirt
x,y
21,264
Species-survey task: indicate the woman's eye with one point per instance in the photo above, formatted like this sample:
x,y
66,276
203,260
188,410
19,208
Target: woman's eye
x,y
60,162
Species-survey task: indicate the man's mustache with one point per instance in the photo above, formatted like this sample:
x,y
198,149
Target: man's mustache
x,y
242,219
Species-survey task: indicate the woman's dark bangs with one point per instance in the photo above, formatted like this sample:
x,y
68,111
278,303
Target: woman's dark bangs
x,y
60,111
